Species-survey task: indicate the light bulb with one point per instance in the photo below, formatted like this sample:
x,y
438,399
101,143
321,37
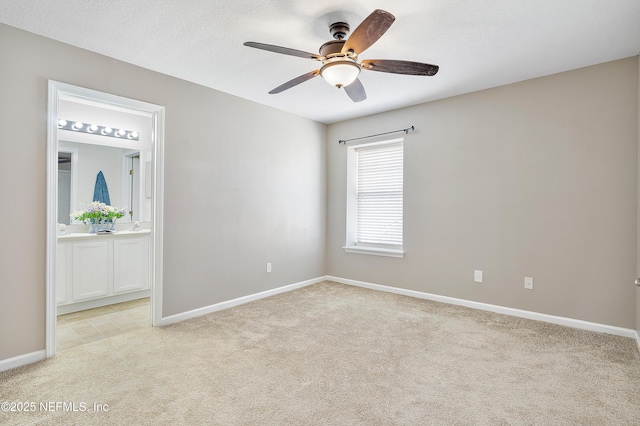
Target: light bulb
x,y
107,131
134,135
121,133
62,123
93,128
77,125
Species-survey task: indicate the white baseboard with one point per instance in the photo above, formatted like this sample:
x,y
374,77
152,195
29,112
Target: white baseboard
x,y
235,302
569,322
20,360
638,340
103,301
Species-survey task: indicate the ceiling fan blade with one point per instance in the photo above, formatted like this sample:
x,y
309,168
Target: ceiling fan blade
x,y
399,67
356,91
289,84
283,50
368,32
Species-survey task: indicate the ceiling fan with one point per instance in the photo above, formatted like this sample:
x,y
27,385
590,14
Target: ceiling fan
x,y
339,57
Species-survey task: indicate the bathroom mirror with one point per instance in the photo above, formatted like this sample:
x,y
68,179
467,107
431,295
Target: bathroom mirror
x,y
78,167
83,153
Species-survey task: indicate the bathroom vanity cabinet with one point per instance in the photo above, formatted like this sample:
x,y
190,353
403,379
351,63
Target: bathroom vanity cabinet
x,y
98,270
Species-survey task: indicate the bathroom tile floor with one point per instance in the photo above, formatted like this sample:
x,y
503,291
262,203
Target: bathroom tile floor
x,y
87,326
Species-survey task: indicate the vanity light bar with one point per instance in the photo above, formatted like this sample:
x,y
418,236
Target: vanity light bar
x,y
94,129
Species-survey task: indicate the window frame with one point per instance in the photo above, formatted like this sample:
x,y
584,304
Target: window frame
x,y
351,245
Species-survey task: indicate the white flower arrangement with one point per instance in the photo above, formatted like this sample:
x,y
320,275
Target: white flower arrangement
x,y
98,212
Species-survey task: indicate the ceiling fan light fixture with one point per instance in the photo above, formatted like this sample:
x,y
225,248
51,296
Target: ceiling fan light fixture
x,y
340,73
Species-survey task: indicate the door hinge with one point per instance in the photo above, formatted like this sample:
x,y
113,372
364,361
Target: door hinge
x,y
131,172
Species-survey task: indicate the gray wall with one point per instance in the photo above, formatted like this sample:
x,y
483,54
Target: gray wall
x,y
537,178
244,185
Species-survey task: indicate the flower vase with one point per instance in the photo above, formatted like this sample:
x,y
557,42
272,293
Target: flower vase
x,y
93,227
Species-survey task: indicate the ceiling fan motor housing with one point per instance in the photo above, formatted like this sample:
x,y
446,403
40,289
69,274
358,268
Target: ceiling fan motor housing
x,y
331,47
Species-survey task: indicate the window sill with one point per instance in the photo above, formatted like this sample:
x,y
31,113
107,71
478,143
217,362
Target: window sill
x,y
376,251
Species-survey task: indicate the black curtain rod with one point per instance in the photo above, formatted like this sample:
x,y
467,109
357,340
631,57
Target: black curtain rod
x,y
406,131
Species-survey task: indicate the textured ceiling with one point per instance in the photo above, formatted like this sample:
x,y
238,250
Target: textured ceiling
x,y
477,44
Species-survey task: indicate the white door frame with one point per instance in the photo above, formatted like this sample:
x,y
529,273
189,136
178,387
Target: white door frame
x,y
56,90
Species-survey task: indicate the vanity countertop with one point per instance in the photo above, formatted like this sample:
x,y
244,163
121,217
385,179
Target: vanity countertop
x,y
86,235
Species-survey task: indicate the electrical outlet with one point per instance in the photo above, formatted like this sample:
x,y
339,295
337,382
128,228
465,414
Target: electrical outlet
x,y
528,283
477,276
269,267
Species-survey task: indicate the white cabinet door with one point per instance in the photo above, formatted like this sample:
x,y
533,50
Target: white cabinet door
x,y
61,273
130,264
91,270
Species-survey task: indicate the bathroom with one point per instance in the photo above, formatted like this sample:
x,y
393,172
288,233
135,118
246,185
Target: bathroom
x,y
102,275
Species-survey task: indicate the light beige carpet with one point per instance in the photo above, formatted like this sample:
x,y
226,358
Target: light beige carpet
x,y
331,354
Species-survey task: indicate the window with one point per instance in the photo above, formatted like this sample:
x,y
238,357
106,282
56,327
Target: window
x,y
374,198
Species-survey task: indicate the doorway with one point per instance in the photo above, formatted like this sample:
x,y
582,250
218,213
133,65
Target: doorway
x,y
58,94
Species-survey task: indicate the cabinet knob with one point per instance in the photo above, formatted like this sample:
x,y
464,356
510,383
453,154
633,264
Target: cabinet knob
x,y
638,282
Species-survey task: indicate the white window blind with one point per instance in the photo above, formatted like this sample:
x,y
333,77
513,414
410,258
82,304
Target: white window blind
x,y
379,195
